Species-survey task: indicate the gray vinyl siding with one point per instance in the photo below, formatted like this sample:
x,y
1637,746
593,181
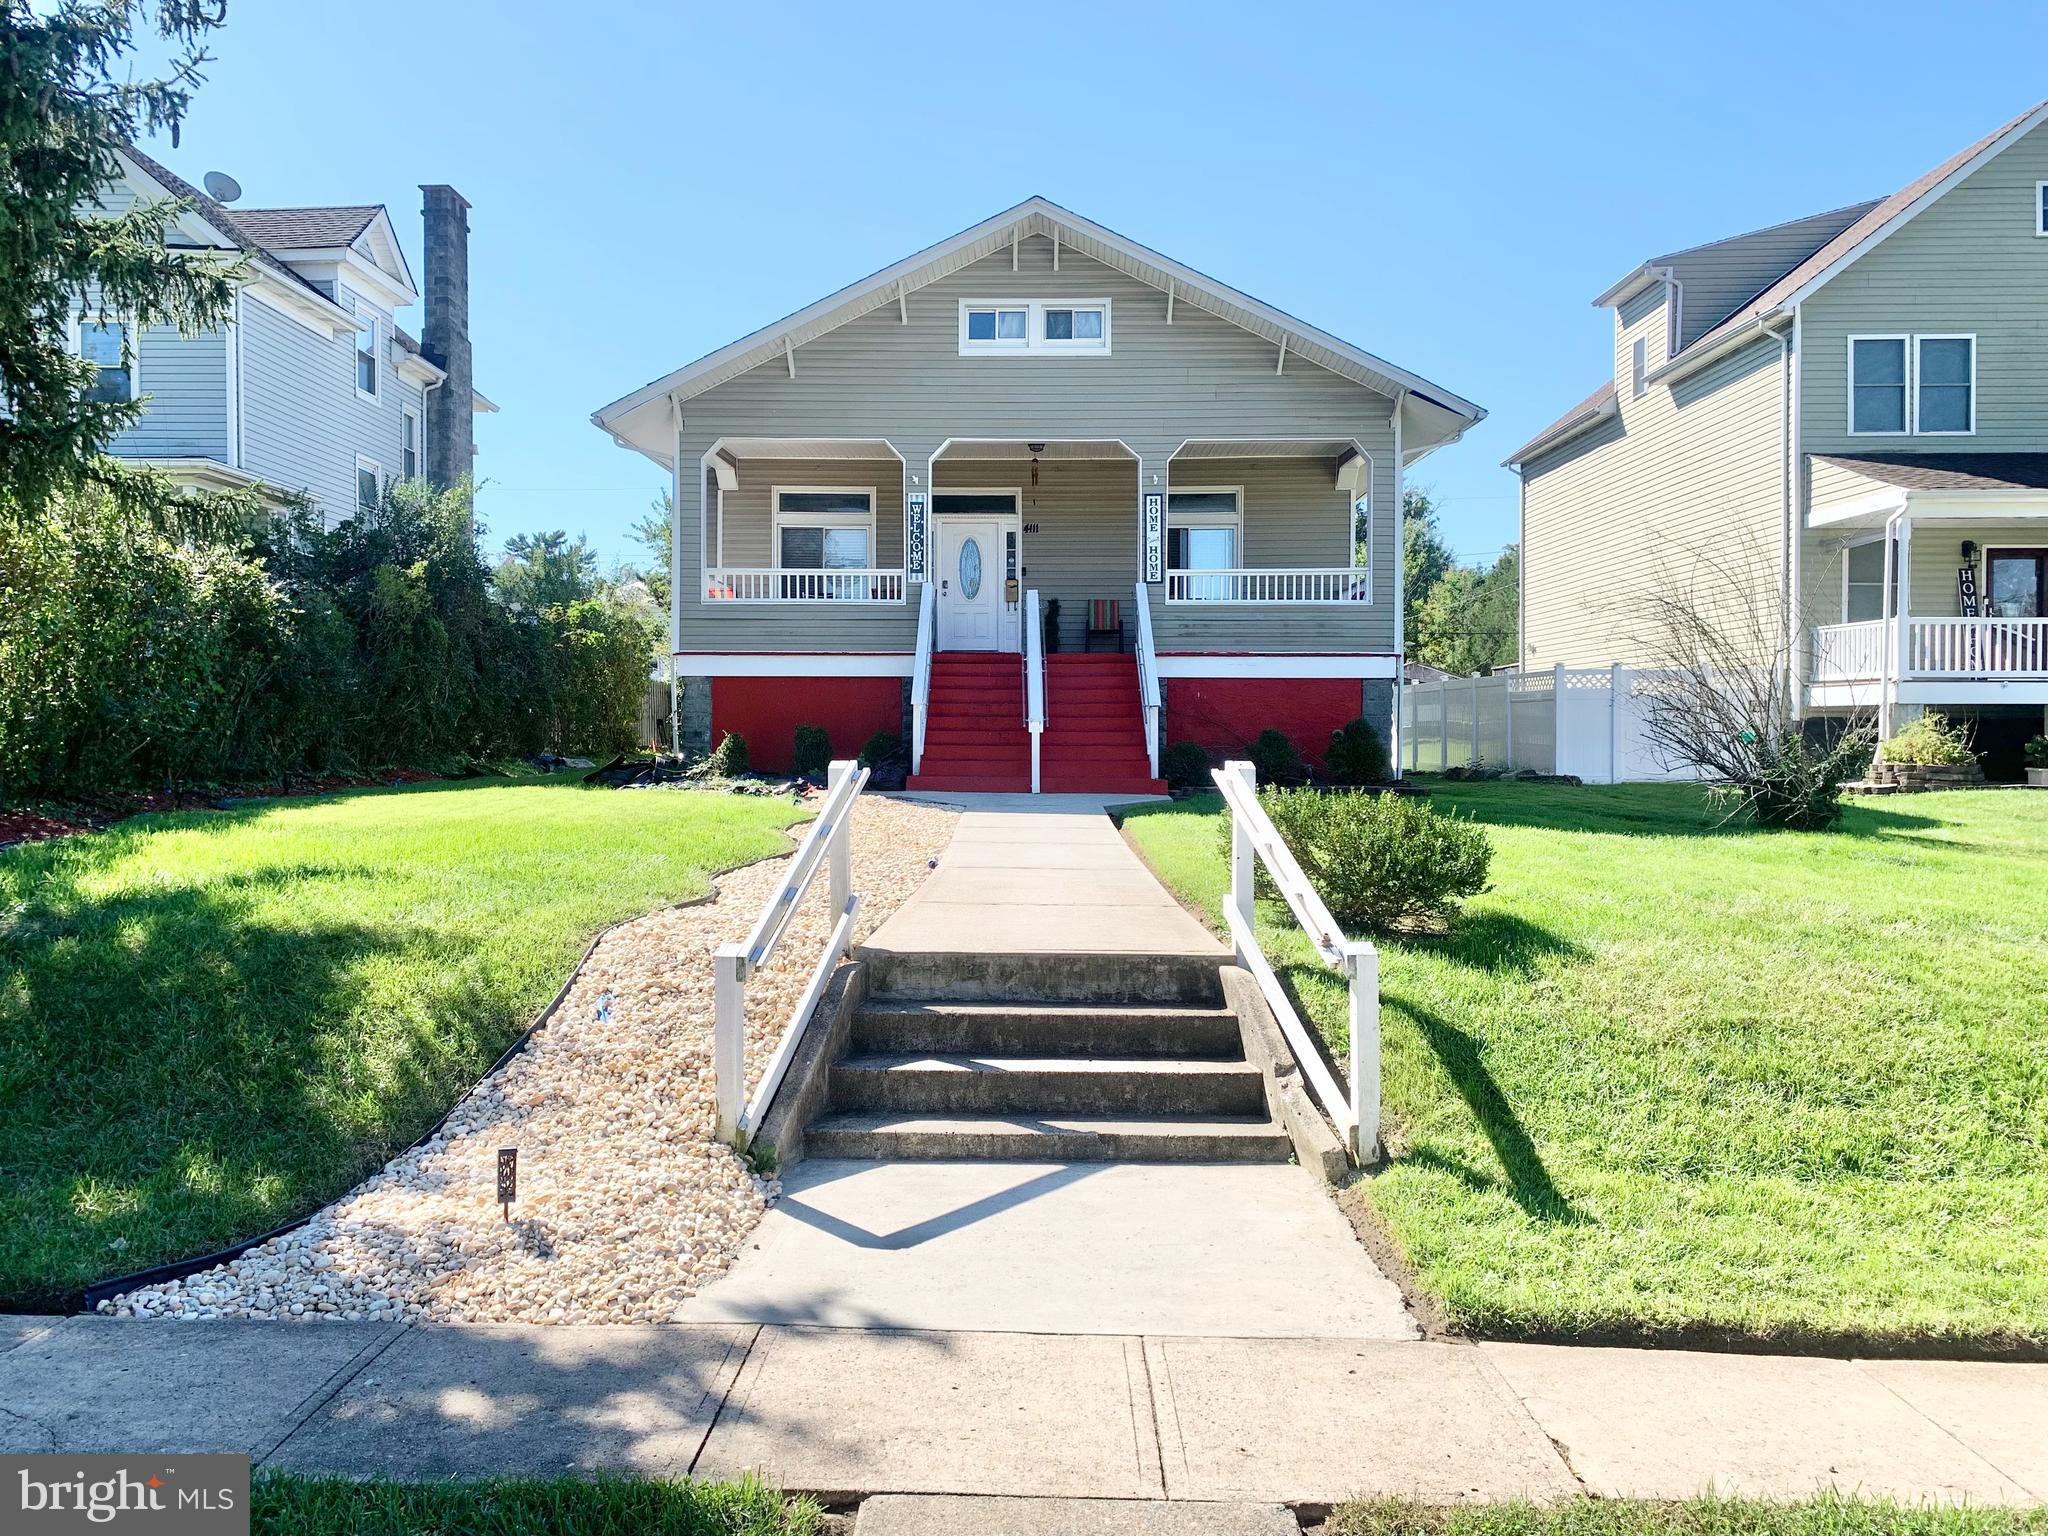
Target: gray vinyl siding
x,y
185,383
1969,262
1161,385
1718,279
1086,515
1690,467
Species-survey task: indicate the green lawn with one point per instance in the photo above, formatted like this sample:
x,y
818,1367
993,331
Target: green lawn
x,y
1829,1516
610,1506
212,1022
1669,1077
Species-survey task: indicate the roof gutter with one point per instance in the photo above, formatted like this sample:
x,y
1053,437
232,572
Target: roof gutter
x,y
1690,362
1561,436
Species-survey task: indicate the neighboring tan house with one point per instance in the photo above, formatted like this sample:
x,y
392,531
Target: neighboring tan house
x,y
873,495
312,387
1860,398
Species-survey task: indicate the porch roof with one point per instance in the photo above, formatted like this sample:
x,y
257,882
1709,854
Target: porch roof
x,y
639,420
1948,471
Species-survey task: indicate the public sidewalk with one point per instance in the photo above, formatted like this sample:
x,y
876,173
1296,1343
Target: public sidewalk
x,y
850,1412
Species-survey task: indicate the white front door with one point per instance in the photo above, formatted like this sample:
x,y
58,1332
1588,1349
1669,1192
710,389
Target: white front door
x,y
970,577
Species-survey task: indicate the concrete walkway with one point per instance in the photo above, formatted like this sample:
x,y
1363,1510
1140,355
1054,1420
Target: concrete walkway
x,y
848,1412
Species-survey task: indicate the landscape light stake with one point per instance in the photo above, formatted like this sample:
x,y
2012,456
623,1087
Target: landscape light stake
x,y
508,1179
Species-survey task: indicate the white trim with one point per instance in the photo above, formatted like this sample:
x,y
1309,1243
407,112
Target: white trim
x,y
1879,503
778,520
1875,536
790,664
1905,341
1920,337
1009,522
1639,367
131,342
232,344
1200,664
1035,343
380,329
1350,503
714,456
2041,208
410,413
363,462
1233,520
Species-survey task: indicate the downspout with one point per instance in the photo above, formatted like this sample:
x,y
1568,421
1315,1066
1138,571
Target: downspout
x,y
1400,590
1887,646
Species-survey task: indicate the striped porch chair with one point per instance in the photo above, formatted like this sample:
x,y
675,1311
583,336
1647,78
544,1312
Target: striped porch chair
x,y
1105,622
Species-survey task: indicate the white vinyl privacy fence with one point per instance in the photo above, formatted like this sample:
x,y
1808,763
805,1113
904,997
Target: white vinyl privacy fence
x,y
1585,721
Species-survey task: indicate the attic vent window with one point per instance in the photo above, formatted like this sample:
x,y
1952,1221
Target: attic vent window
x,y
1639,368
1031,327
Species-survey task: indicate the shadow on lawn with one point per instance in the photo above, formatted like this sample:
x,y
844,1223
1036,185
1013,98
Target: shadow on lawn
x,y
184,1066
1499,942
1638,810
1464,1062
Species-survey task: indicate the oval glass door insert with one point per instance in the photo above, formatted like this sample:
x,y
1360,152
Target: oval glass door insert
x,y
970,568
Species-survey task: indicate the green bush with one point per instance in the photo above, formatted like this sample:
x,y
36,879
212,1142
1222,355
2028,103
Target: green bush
x,y
880,748
812,754
1277,759
729,757
2036,752
1930,741
1050,623
1186,765
1383,863
1357,756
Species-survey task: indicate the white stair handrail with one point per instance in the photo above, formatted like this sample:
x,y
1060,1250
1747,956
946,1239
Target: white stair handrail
x,y
1254,839
921,673
827,842
1034,679
1148,680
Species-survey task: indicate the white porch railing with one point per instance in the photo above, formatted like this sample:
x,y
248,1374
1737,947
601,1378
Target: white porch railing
x,y
1034,680
921,673
1148,679
734,584
1935,648
1254,839
1977,647
1293,584
828,842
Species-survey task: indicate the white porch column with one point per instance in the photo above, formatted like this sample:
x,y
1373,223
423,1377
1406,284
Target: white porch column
x,y
1901,628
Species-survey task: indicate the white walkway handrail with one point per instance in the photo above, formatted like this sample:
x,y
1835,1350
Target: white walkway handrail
x,y
921,672
1254,839
1148,679
1034,679
827,842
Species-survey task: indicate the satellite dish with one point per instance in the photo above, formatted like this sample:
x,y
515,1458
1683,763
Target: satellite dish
x,y
222,187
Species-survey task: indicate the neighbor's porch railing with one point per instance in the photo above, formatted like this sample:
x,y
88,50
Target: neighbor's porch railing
x,y
828,842
1295,584
1034,680
1254,839
921,673
1848,652
1148,680
1945,648
735,584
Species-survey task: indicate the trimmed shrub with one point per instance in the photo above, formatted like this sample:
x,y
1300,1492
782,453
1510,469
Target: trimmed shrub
x,y
1277,759
1186,765
1931,741
1049,621
1357,756
1383,863
880,748
729,757
812,754
2036,752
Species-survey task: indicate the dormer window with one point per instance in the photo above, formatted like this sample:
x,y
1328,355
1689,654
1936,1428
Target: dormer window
x,y
1639,368
1032,327
366,353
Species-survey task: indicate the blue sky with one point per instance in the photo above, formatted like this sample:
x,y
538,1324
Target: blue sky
x,y
1447,186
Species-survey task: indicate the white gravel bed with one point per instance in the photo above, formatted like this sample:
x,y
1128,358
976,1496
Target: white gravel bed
x,y
626,1203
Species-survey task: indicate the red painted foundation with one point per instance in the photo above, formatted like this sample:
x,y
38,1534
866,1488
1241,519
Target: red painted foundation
x,y
767,711
1226,714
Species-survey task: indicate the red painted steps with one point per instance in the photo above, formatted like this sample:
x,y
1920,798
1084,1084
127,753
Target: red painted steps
x,y
1095,728
974,735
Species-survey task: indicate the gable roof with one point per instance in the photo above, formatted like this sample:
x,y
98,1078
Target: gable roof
x,y
1595,407
306,228
1034,216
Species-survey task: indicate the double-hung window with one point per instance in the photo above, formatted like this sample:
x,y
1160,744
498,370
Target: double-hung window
x,y
369,483
1204,532
1863,582
408,444
1918,384
108,344
366,352
1034,327
1639,368
820,531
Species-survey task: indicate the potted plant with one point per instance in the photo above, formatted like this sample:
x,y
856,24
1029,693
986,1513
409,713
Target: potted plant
x,y
2037,762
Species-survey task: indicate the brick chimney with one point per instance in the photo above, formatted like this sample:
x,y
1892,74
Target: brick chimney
x,y
451,424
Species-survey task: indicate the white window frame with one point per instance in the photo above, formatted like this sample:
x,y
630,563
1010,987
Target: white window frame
x,y
1035,342
781,520
409,418
2041,209
131,342
1858,543
1639,368
1234,521
363,462
1920,337
1905,341
377,330
1362,499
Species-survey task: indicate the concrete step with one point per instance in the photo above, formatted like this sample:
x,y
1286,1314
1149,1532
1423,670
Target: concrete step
x,y
962,975
1003,1085
1047,1029
1049,1138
